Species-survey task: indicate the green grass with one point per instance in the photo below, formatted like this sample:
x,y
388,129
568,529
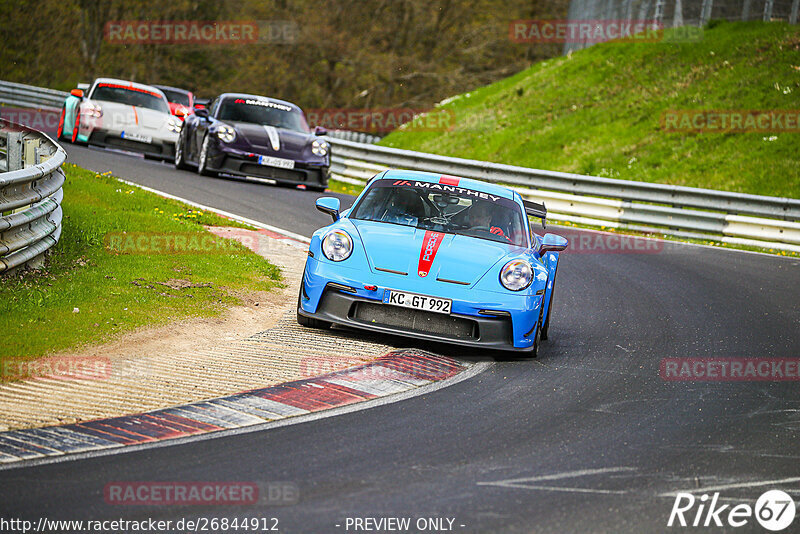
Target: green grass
x,y
598,112
118,289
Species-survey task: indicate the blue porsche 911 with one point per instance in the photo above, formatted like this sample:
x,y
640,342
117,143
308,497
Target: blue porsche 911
x,y
433,257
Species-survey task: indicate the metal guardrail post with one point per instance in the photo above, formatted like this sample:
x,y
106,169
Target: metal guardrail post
x,y
14,160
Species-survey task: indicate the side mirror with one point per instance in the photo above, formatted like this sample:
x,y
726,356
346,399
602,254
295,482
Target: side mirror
x,y
77,92
329,205
319,130
201,112
552,243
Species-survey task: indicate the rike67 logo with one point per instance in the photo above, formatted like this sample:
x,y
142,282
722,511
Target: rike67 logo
x,y
774,510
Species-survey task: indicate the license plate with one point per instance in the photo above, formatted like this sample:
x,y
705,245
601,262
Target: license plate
x,y
136,137
417,302
276,162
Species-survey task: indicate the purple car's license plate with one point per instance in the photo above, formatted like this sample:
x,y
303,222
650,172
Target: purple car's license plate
x,y
417,302
272,161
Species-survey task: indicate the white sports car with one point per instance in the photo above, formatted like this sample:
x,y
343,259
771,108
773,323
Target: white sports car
x,y
121,114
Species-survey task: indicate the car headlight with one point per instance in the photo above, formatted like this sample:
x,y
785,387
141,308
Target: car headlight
x,y
94,110
174,125
320,148
337,245
226,133
516,275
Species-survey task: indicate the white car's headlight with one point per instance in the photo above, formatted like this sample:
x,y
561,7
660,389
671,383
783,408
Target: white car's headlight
x,y
516,275
337,245
319,148
94,110
226,133
174,125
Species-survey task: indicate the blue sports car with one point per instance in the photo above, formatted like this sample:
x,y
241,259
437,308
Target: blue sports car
x,y
433,257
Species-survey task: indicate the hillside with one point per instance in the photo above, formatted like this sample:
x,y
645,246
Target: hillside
x,y
599,112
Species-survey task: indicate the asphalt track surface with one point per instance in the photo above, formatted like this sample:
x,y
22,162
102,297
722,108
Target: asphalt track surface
x,y
599,436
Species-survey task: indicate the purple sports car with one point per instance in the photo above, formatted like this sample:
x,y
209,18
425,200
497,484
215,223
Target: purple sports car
x,y
254,136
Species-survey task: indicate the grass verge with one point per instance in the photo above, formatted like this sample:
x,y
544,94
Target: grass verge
x,y
599,112
126,259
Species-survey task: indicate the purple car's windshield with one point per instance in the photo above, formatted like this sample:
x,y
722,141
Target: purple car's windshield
x,y
264,112
443,208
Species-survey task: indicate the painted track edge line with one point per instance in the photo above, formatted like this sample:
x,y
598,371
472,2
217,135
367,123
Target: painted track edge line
x,y
470,372
229,215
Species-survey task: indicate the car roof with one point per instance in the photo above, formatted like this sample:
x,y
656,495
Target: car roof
x,y
129,83
170,88
467,183
226,96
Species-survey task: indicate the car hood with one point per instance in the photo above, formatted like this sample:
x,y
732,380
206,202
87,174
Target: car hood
x,y
457,259
118,116
264,139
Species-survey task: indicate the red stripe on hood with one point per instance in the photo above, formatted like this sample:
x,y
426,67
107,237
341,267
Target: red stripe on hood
x,y
430,246
449,180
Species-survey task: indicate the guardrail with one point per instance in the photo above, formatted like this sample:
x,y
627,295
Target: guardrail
x,y
769,222
29,96
358,137
744,219
30,195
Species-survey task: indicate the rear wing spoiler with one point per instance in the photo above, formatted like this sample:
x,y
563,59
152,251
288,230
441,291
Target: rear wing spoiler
x,y
536,209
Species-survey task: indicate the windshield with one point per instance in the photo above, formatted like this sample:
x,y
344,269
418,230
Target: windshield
x,y
176,97
263,112
443,208
131,96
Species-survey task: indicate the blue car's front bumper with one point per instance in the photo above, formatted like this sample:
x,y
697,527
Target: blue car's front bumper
x,y
478,318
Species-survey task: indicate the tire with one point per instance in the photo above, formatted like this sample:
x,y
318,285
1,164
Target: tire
x,y
309,322
60,131
202,160
546,326
180,158
75,126
537,339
